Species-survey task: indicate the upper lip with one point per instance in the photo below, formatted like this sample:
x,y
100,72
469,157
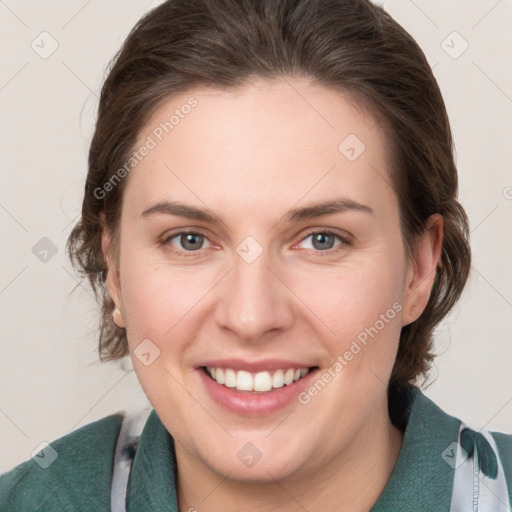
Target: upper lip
x,y
254,366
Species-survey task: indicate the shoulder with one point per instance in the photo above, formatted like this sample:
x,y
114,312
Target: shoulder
x,y
504,443
504,447
71,473
445,459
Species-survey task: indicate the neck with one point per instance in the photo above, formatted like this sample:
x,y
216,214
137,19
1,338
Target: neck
x,y
352,480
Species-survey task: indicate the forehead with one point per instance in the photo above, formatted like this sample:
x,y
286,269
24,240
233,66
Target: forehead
x,y
268,141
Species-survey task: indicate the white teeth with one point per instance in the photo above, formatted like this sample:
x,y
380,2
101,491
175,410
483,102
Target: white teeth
x,y
288,377
261,381
230,378
278,379
244,381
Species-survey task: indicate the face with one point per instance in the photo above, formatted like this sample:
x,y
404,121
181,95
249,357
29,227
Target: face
x,y
265,286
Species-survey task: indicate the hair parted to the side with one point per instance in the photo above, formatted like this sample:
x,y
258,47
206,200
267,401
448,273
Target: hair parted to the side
x,y
353,46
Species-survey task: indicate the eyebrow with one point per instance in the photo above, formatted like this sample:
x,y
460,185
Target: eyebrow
x,y
312,211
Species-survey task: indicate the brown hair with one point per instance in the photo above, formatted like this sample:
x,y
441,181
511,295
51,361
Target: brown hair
x,y
350,45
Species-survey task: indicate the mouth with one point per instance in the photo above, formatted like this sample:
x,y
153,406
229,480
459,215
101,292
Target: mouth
x,y
256,382
256,390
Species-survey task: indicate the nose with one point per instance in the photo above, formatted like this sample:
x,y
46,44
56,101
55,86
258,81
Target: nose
x,y
256,303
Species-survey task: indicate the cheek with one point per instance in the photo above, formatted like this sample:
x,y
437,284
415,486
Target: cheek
x,y
361,304
158,301
353,296
162,303
159,307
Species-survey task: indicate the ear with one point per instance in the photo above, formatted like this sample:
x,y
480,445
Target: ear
x,y
113,284
422,269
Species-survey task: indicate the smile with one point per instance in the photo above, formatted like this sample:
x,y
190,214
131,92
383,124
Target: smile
x,y
255,388
263,381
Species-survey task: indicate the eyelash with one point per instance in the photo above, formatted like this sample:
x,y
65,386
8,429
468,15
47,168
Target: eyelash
x,y
187,254
345,241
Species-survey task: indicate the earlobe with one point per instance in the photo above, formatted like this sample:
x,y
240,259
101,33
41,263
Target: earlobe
x,y
423,269
117,316
112,281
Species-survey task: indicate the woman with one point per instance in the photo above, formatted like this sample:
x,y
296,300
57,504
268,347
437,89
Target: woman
x,y
304,149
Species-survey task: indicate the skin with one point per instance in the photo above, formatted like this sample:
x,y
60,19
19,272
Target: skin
x,y
249,156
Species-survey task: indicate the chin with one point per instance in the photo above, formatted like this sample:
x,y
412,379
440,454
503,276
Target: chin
x,y
255,462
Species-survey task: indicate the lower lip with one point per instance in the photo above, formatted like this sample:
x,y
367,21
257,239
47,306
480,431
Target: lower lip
x,y
254,404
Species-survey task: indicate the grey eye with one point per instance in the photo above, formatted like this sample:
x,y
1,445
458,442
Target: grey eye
x,y
322,240
187,241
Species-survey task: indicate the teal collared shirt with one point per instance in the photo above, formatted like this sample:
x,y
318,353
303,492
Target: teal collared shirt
x,y
79,479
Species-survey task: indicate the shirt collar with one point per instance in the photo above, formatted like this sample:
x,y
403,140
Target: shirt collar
x,y
420,476
152,483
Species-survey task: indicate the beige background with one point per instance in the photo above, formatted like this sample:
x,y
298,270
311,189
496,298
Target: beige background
x,y
50,380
